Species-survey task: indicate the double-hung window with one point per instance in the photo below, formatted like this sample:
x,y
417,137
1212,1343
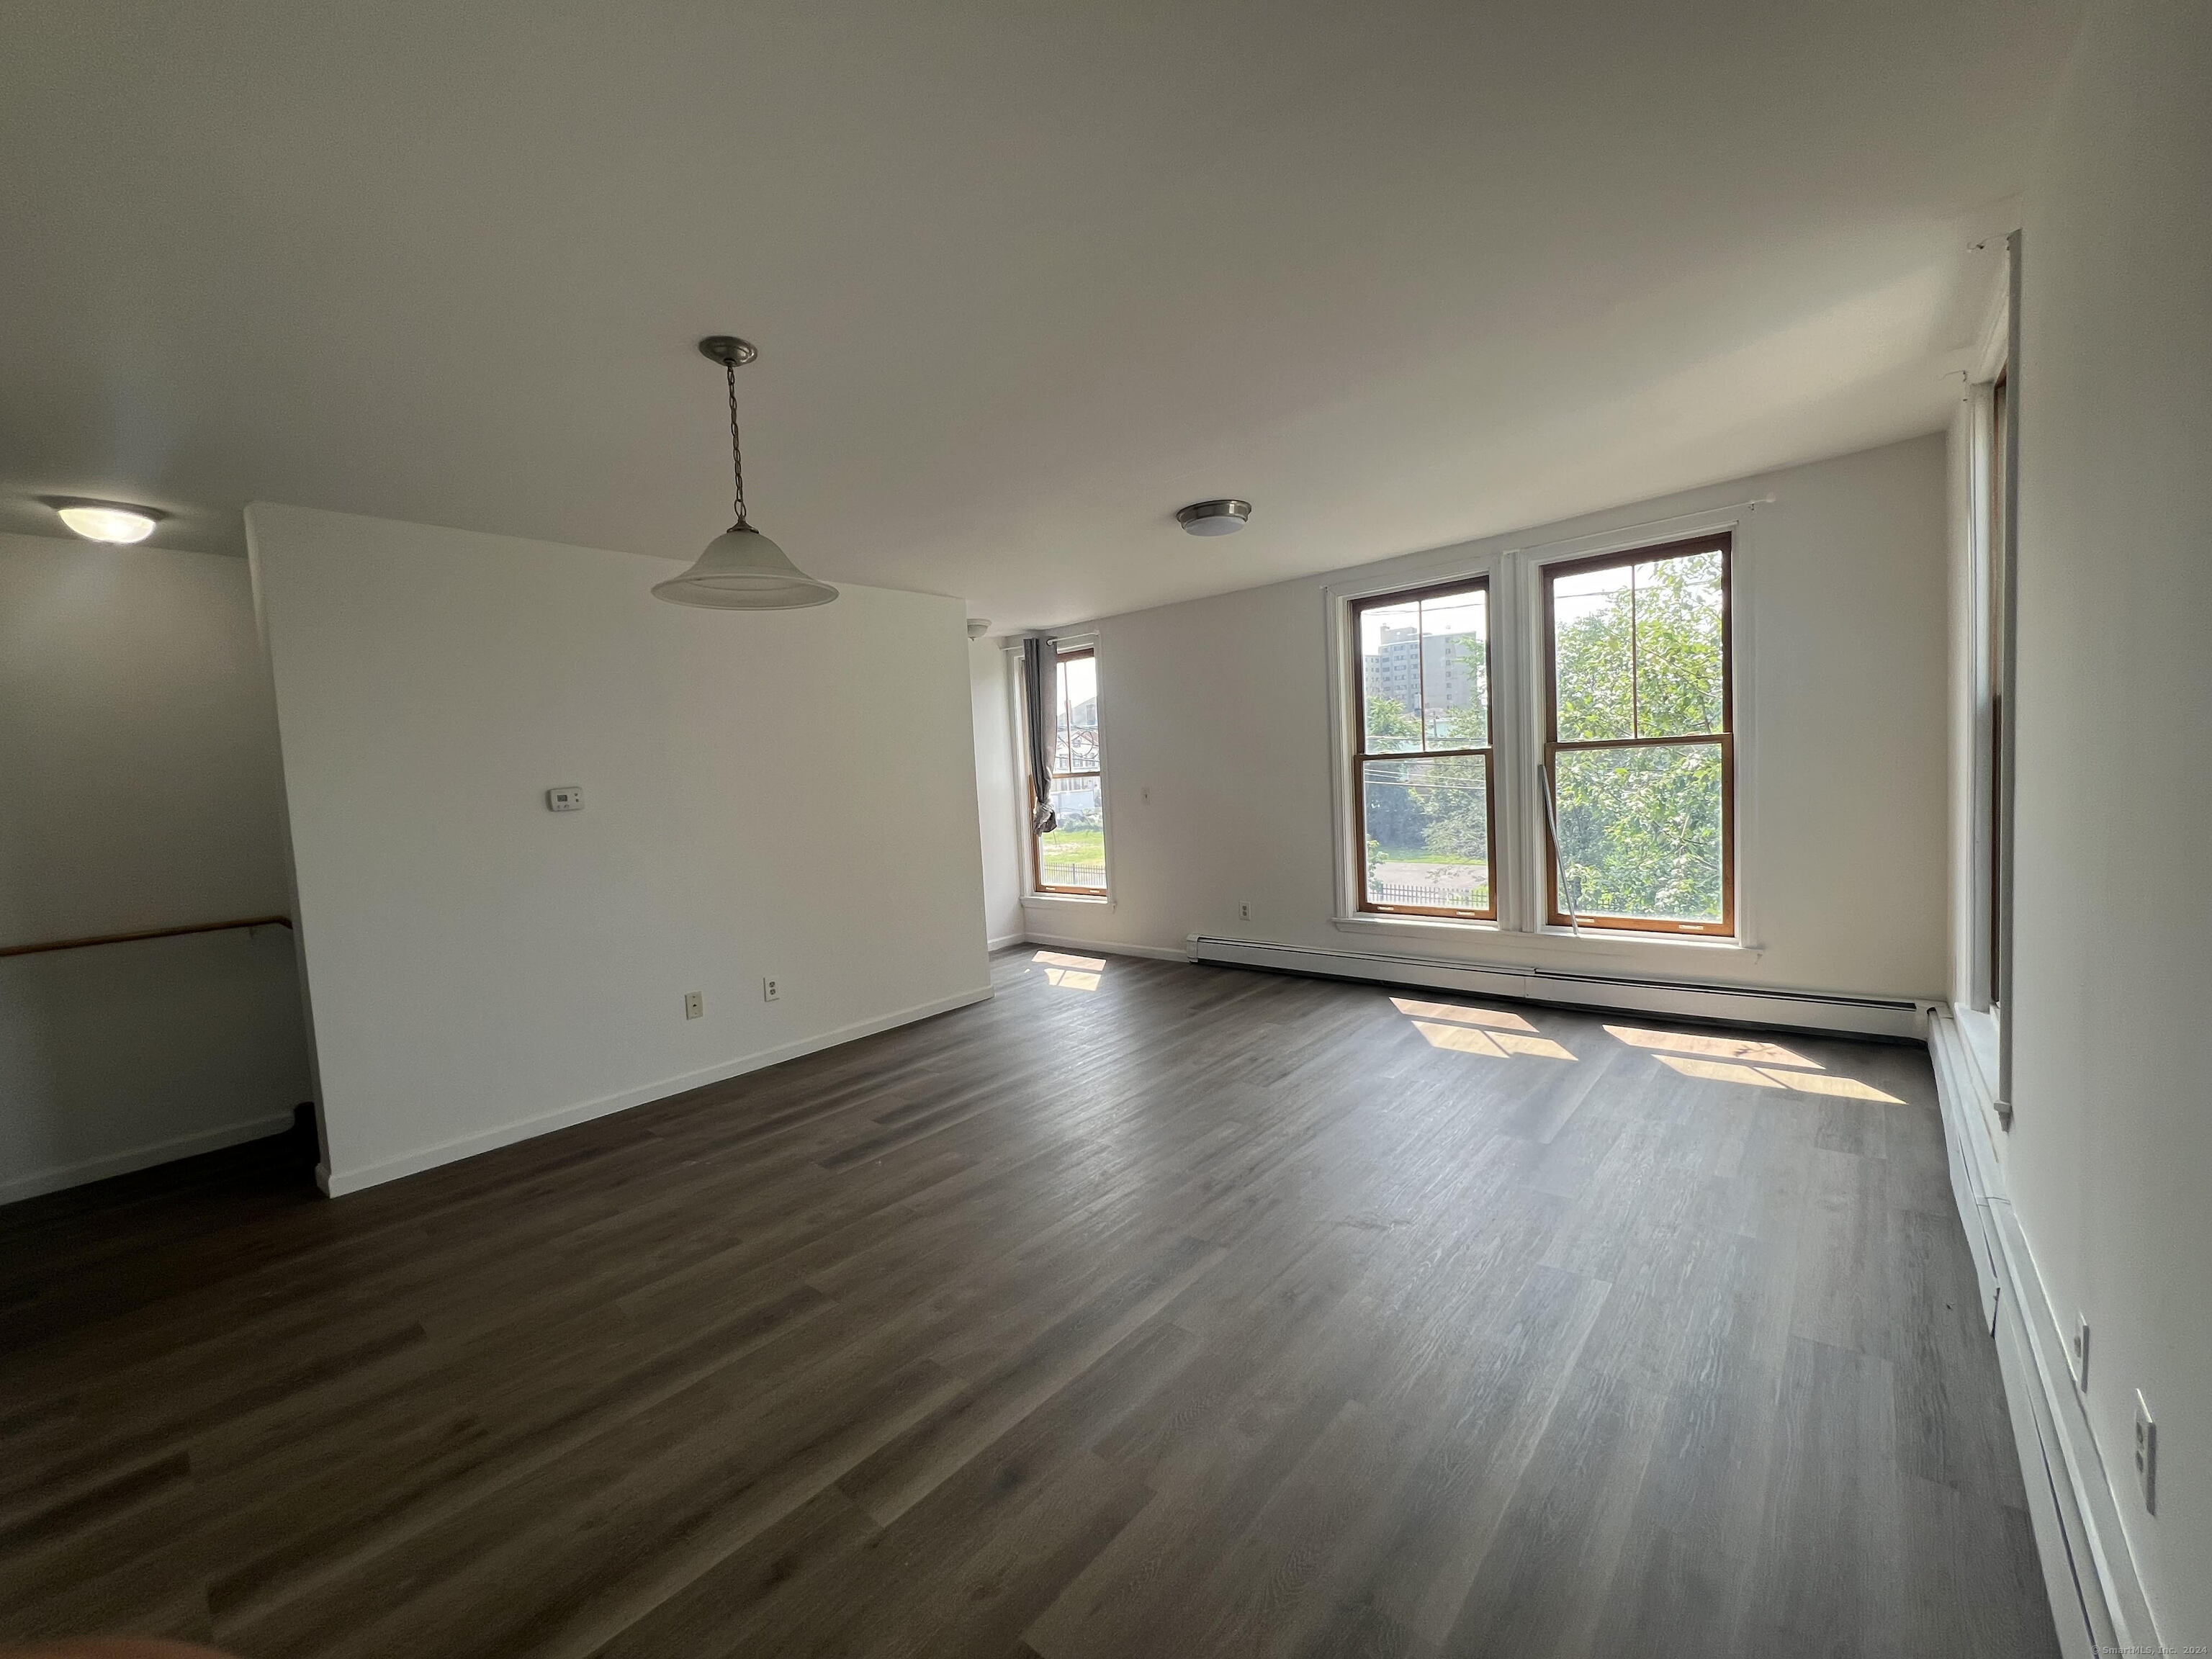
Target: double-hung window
x,y
1637,745
1547,743
1421,761
1070,858
1992,673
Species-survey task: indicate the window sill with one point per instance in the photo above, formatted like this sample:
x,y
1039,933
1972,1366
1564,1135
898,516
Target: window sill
x,y
1549,941
1103,900
1366,921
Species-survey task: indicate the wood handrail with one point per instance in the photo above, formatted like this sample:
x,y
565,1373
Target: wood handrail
x,y
151,932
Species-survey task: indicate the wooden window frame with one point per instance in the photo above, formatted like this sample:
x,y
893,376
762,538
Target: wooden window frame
x,y
1036,851
1992,643
1361,755
1723,543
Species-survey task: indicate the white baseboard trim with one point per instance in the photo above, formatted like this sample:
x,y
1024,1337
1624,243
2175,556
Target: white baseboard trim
x,y
1059,942
39,1182
1894,1016
1004,941
336,1183
2096,1594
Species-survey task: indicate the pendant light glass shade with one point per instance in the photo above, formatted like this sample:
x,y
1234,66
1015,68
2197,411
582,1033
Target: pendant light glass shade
x,y
741,569
744,570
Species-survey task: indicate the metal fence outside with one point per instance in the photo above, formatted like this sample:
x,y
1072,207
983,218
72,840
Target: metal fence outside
x,y
1432,898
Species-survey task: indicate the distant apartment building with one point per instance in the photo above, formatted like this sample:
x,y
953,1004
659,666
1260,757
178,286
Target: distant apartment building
x,y
1451,661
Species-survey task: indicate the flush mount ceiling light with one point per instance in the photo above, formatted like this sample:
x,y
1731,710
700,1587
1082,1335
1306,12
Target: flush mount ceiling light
x,y
741,569
108,521
1223,518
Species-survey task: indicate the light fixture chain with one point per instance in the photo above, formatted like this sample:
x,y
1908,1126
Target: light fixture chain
x,y
737,449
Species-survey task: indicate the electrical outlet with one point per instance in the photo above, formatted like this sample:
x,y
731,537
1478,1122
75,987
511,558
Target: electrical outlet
x,y
565,798
771,989
694,1004
1244,910
2146,1454
2077,1352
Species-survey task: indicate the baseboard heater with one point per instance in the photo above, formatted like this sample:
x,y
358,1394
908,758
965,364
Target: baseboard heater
x,y
2096,1590
1902,1017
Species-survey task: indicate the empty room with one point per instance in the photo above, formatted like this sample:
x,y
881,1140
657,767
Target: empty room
x,y
1105,830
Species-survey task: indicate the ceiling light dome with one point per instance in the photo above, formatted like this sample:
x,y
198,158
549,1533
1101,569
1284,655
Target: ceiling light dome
x,y
741,569
1221,518
108,521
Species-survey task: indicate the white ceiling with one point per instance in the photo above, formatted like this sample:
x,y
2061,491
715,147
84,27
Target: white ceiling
x,y
1026,276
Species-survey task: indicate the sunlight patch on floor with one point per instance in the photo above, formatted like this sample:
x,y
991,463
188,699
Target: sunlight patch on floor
x,y
1535,1048
1716,1048
1495,1017
1460,1039
1810,1083
1491,1032
1850,1088
1720,1071
1070,973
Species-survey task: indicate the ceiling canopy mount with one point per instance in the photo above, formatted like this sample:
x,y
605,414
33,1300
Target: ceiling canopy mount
x,y
728,350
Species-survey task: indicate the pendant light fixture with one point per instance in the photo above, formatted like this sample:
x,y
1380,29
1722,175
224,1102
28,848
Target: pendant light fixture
x,y
741,569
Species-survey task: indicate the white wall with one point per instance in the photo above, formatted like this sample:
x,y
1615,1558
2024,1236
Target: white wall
x,y
138,751
790,794
997,788
127,1055
2111,1139
1219,708
138,742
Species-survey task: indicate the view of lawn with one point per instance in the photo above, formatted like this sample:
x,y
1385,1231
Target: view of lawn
x,y
1073,858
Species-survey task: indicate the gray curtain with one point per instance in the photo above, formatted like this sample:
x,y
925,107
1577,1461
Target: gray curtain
x,y
1041,701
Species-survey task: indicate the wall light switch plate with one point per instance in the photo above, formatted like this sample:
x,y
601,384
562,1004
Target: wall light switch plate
x,y
565,798
694,1004
2077,1353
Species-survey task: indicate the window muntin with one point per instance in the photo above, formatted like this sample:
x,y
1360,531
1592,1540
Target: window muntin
x,y
1636,739
1422,768
1071,859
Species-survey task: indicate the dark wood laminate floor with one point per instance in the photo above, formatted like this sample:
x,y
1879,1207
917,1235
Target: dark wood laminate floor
x,y
1153,1310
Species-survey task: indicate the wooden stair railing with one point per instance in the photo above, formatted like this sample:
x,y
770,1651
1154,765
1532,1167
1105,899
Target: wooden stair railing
x,y
150,932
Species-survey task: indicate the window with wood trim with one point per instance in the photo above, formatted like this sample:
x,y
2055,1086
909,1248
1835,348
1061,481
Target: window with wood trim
x,y
1993,648
1637,745
1422,761
1071,858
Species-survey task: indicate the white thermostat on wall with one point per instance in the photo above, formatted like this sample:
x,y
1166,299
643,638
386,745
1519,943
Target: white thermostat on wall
x,y
567,797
